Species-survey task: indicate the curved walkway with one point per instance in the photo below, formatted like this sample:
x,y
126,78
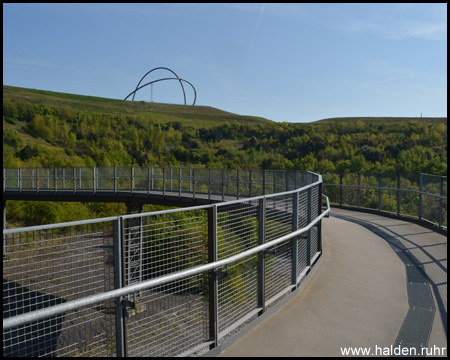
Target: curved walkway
x,y
371,289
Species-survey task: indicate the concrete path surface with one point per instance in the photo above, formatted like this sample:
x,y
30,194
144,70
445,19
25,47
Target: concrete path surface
x,y
362,294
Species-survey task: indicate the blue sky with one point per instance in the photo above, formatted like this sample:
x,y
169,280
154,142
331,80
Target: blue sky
x,y
284,62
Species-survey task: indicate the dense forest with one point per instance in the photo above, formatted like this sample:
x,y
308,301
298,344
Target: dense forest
x,y
57,135
40,135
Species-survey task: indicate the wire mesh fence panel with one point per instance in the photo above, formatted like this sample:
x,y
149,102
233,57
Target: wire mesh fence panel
x,y
237,231
279,210
170,319
201,181
216,181
123,178
369,199
85,178
409,181
257,183
237,291
64,178
280,181
230,182
302,253
434,210
28,178
11,179
166,320
187,180
314,240
409,204
302,221
278,259
389,201
237,228
139,178
278,264
43,268
157,179
388,180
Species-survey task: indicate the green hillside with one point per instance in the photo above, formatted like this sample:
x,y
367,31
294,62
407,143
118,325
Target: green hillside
x,y
44,128
195,116
50,129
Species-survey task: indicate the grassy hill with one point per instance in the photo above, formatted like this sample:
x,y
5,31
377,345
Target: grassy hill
x,y
45,128
195,116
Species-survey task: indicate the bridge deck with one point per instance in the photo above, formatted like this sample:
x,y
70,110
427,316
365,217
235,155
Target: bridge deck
x,y
372,288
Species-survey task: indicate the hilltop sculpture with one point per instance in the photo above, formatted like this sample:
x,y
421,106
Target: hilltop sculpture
x,y
139,86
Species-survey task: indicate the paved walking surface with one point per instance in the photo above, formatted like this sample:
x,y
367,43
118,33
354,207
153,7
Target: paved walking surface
x,y
358,294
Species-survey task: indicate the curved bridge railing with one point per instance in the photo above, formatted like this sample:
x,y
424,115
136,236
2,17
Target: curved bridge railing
x,y
146,184
419,197
165,283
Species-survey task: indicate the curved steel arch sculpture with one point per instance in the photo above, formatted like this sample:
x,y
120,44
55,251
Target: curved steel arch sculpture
x,y
154,81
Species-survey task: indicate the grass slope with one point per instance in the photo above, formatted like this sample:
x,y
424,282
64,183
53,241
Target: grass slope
x,y
196,116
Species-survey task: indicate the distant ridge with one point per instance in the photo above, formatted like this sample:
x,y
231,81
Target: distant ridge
x,y
196,116
384,119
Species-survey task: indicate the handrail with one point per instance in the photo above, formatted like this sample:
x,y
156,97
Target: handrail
x,y
94,299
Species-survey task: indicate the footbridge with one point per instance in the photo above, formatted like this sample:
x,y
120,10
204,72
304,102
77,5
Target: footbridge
x,y
251,264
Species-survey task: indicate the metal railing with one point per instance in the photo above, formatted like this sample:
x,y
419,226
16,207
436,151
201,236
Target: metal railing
x,y
163,283
421,197
191,182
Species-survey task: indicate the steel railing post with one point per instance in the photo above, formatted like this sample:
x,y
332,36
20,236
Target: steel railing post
x,y
115,179
209,184
132,179
237,184
308,236
340,189
379,193
441,193
250,184
420,197
264,182
213,281
94,178
152,185
119,308
261,254
179,183
148,180
319,224
295,239
193,183
223,184
398,194
55,178
164,180
19,179
359,191
274,182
